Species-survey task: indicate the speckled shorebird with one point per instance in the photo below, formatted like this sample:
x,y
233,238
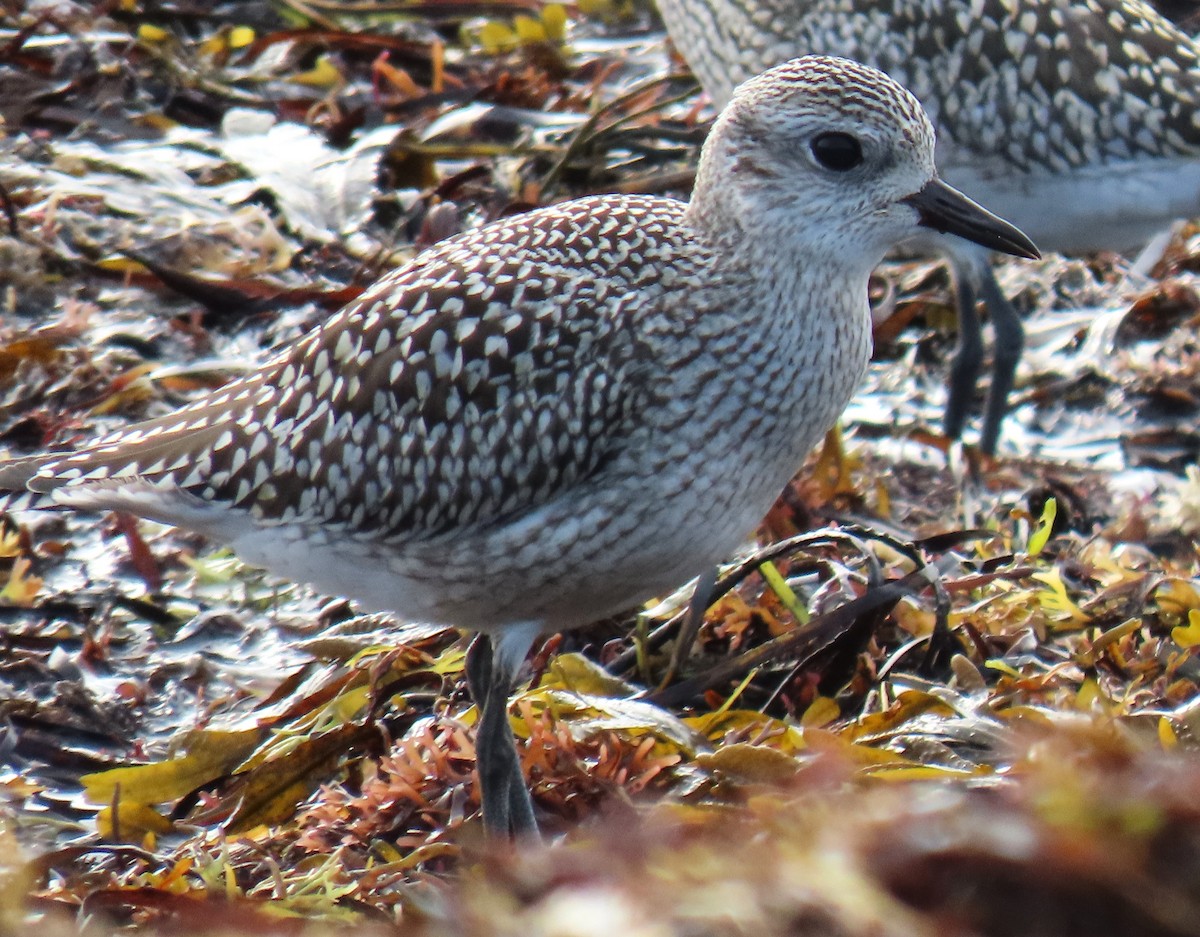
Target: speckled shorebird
x,y
562,414
1078,120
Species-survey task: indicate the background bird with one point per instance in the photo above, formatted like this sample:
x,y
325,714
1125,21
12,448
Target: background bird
x,y
1079,120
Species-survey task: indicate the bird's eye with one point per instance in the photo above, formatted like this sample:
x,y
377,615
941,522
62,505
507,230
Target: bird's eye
x,y
838,152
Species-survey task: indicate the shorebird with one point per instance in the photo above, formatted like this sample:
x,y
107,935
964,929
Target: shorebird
x,y
562,414
1078,120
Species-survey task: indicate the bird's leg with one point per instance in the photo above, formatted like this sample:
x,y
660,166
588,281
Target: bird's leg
x,y
693,620
507,806
967,360
1009,335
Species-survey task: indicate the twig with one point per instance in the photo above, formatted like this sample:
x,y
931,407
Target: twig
x,y
10,212
588,131
818,635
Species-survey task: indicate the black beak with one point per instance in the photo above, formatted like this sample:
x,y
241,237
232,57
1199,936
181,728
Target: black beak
x,y
944,208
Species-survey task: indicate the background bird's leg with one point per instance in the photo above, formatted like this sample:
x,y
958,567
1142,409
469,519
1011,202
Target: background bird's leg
x,y
1009,343
967,360
491,673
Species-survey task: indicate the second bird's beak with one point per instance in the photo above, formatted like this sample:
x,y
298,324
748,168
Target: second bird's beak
x,y
944,208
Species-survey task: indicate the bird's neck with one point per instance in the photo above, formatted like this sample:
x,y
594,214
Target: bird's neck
x,y
809,291
770,240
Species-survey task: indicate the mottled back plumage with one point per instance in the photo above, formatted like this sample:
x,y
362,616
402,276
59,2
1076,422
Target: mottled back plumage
x,y
468,374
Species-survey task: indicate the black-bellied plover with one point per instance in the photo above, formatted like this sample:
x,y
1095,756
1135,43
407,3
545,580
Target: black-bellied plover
x,y
1078,120
562,414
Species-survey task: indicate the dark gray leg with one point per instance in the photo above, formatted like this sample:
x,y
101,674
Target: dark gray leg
x,y
693,619
1009,333
967,361
507,806
972,281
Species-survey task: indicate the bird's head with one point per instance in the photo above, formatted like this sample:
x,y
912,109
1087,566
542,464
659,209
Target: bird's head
x,y
834,159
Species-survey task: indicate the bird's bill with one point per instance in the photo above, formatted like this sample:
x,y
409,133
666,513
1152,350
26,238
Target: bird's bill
x,y
944,208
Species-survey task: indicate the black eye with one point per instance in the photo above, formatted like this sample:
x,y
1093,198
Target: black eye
x,y
839,152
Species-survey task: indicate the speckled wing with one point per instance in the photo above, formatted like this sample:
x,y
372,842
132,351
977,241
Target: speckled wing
x,y
468,386
1059,84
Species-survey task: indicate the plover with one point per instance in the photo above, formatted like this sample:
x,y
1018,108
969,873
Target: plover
x,y
562,414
